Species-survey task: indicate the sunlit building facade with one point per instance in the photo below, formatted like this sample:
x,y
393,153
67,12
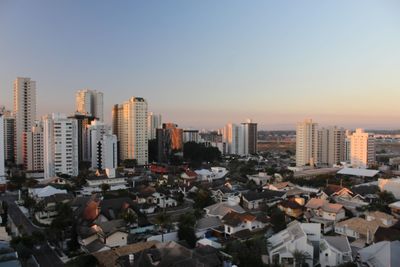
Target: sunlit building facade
x,y
306,143
362,150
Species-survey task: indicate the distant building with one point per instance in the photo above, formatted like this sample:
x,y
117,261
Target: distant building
x,y
190,135
331,146
103,147
90,103
362,151
25,113
130,127
154,122
233,138
250,137
60,145
169,142
2,149
33,148
9,132
306,143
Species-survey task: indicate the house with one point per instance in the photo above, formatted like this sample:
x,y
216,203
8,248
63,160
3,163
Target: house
x,y
283,186
381,254
395,209
235,222
255,200
390,185
189,176
328,211
40,193
345,197
334,250
48,207
222,208
364,229
291,208
391,233
296,237
164,201
94,183
210,175
261,178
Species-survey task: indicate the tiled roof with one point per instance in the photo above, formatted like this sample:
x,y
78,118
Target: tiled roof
x,y
234,219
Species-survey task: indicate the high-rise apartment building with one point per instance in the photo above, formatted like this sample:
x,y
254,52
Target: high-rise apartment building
x,y
2,150
191,135
331,146
9,138
60,145
154,122
347,144
83,122
250,137
169,142
362,150
306,143
33,148
24,112
90,103
130,126
103,144
233,136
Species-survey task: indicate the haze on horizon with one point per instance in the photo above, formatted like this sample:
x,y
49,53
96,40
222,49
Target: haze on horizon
x,y
203,64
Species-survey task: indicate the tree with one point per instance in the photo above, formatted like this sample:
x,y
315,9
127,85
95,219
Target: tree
x,y
300,257
186,229
29,203
277,219
62,222
241,251
129,216
105,188
202,199
130,163
162,220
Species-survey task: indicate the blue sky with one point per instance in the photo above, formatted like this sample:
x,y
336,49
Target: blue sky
x,y
205,63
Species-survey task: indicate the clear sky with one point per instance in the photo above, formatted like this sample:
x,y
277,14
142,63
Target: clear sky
x,y
205,63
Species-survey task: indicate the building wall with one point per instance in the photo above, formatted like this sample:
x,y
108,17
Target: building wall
x,y
25,113
9,132
331,145
306,143
2,149
90,102
60,145
362,151
154,122
33,148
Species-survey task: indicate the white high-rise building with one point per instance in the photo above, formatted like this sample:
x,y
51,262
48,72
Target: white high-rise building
x,y
191,135
90,102
306,143
103,146
362,149
233,136
347,157
154,122
60,145
33,148
332,147
130,125
25,113
2,150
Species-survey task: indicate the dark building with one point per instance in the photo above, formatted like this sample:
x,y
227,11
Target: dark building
x,y
169,142
250,129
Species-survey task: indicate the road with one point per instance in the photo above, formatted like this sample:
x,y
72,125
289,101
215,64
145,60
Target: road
x,y
45,256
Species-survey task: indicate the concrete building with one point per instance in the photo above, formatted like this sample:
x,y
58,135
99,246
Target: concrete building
x,y
306,143
33,148
2,149
169,142
347,145
331,146
249,129
9,132
60,145
362,149
130,126
191,135
233,136
90,103
103,147
25,113
154,122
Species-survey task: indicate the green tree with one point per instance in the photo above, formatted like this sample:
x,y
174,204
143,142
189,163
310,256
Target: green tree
x,y
105,188
163,220
186,230
278,220
129,216
300,258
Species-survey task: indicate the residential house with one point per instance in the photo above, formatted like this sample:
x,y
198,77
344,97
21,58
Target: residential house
x,y
297,236
261,178
334,250
395,208
291,208
235,222
283,186
164,201
381,254
48,211
222,208
38,193
254,200
321,211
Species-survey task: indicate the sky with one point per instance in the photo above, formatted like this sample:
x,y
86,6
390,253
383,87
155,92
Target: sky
x,y
202,64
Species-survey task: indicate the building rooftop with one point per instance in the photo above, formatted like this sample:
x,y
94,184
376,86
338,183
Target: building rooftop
x,y
358,172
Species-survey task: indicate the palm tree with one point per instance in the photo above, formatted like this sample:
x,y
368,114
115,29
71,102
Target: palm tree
x,y
300,257
129,216
162,220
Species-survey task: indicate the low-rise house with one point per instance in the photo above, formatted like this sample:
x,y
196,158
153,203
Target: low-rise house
x,y
345,197
328,211
291,208
261,178
210,175
254,200
42,192
395,208
164,201
94,183
46,208
189,176
296,237
334,250
222,208
235,222
381,254
364,229
283,186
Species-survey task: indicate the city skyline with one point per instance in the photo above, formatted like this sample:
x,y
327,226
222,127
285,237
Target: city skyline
x,y
276,63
